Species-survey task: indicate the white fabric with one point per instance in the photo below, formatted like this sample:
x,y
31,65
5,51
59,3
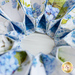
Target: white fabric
x,y
36,43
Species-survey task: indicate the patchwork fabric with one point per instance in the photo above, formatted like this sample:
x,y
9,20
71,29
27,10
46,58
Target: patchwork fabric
x,y
20,18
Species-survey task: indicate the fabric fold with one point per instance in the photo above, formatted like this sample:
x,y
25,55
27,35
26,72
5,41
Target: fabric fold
x,y
41,24
20,18
29,25
37,67
66,54
12,60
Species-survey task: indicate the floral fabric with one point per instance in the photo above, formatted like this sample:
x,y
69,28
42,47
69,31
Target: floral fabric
x,y
33,8
6,61
52,17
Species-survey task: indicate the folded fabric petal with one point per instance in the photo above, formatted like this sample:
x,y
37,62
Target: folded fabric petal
x,y
15,16
14,35
3,14
12,60
68,21
54,22
63,34
66,7
6,44
33,8
10,25
57,9
28,25
37,67
41,24
5,26
25,66
16,13
51,65
19,27
54,11
70,38
66,53
52,27
19,18
59,35
53,8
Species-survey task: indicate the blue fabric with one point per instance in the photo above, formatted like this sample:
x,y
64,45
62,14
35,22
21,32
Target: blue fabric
x,y
4,16
28,23
55,27
49,63
6,68
14,38
42,23
17,28
64,35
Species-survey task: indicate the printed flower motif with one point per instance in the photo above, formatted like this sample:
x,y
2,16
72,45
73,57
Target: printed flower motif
x,y
36,10
28,11
48,9
14,3
3,3
46,59
51,12
8,63
34,62
36,6
68,16
73,34
49,63
74,21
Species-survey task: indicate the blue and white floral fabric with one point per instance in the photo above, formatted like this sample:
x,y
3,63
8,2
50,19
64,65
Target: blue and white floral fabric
x,y
8,63
35,10
32,7
46,65
19,18
37,67
54,21
66,28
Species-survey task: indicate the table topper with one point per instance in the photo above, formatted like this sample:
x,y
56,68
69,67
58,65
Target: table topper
x,y
21,18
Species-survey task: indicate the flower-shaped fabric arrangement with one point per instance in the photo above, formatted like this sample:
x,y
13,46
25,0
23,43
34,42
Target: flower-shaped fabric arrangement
x,y
19,18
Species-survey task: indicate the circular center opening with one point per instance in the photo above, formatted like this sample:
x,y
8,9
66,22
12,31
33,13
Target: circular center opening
x,y
36,43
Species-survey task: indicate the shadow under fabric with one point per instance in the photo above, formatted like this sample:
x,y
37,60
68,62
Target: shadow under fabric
x,y
42,23
55,27
18,29
28,23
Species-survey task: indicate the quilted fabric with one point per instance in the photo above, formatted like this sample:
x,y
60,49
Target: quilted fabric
x,y
20,18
